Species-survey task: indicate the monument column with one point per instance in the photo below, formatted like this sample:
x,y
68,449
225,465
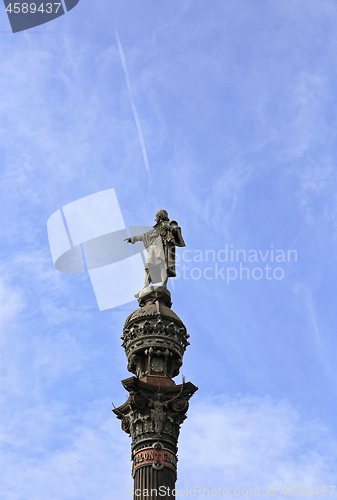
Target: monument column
x,y
154,339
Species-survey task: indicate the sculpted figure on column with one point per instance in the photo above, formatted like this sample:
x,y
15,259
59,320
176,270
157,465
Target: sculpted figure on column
x,y
160,243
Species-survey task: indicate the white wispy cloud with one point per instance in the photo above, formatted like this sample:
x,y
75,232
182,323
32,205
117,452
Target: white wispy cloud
x,y
134,109
86,454
251,442
11,301
243,442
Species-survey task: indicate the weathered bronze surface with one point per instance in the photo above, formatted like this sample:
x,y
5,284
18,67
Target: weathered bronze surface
x,y
160,242
155,340
154,413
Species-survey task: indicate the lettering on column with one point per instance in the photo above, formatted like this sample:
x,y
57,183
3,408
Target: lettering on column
x,y
157,458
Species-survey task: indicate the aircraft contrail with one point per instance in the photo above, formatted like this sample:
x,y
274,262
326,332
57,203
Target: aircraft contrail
x,y
134,109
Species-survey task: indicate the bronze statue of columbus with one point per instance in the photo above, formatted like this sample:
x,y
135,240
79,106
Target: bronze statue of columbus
x,y
160,243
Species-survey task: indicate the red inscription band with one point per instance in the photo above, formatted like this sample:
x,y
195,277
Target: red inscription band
x,y
157,458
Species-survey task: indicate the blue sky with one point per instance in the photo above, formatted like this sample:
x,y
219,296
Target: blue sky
x,y
237,104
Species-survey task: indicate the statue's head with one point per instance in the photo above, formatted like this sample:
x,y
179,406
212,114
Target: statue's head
x,y
161,215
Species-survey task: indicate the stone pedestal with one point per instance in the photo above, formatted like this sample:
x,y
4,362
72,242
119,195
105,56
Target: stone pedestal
x,y
154,339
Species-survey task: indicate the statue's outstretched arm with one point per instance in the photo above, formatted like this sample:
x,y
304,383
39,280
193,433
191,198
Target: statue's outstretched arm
x,y
133,239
